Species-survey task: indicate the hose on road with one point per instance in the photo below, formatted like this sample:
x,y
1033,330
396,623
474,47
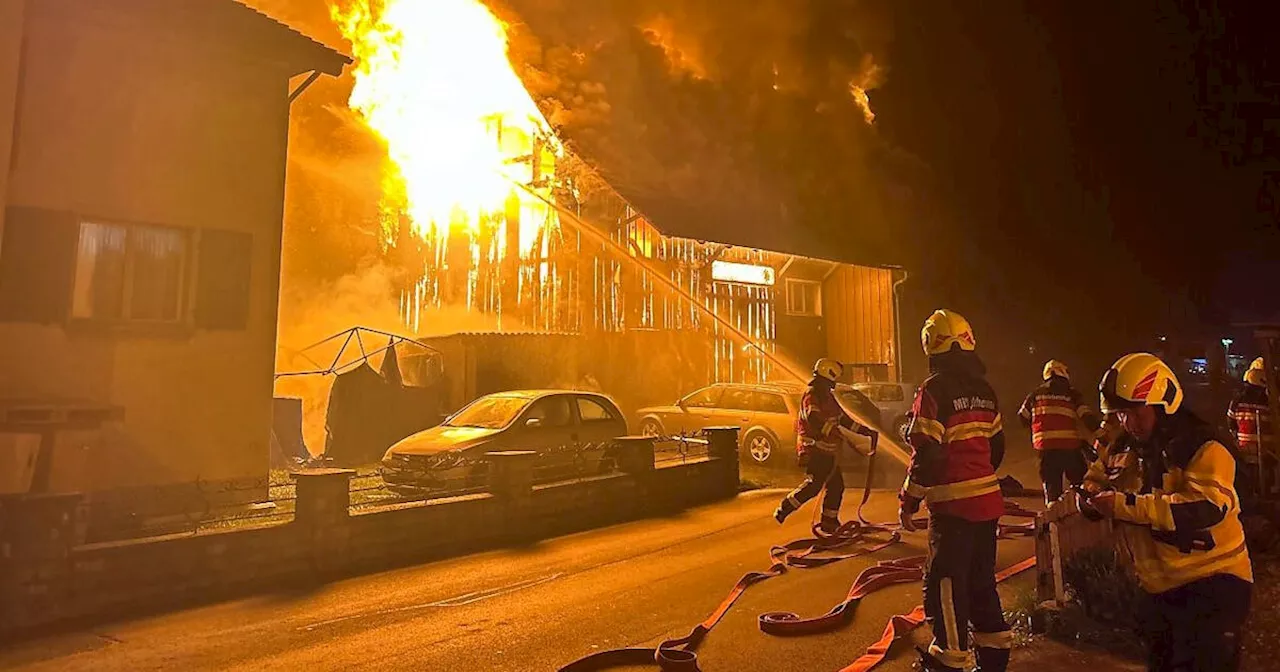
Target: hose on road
x,y
852,539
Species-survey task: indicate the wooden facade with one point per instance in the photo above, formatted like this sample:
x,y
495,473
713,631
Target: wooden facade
x,y
534,270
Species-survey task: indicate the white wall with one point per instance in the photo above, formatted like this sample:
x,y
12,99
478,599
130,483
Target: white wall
x,y
121,122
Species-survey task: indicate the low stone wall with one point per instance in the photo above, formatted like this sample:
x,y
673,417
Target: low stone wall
x,y
47,578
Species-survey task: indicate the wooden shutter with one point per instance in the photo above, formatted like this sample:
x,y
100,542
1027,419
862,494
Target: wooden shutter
x,y
37,265
222,283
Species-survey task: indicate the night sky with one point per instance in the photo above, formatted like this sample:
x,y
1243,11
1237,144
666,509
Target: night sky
x,y
1102,161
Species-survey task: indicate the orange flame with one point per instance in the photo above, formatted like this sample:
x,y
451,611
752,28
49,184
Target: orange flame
x,y
433,81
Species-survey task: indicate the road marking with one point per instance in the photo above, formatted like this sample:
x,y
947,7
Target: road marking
x,y
455,601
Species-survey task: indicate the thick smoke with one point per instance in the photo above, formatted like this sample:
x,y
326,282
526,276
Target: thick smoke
x,y
366,298
741,117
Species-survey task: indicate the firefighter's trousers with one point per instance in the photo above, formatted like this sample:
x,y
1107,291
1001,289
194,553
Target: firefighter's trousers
x,y
1196,627
1058,463
959,592
821,470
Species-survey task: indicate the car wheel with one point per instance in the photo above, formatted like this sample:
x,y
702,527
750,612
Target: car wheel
x,y
650,427
761,447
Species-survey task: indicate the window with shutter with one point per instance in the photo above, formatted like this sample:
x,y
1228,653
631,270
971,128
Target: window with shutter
x,y
37,260
130,273
222,286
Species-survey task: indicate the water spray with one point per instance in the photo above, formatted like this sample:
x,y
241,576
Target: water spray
x,y
891,443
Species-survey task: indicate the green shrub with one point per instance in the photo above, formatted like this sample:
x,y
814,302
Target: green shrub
x,y
1103,603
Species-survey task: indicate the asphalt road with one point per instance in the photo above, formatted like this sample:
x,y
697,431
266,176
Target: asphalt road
x,y
524,609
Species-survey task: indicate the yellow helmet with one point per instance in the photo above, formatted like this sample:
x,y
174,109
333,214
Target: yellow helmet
x,y
828,368
1140,379
1258,364
1055,368
1256,377
944,330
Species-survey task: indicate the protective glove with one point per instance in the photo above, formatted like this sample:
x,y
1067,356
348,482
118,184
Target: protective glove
x,y
904,519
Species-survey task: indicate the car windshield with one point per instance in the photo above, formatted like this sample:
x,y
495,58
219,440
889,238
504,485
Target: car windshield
x,y
489,412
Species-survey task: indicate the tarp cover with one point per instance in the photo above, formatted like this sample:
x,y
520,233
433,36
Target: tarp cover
x,y
368,412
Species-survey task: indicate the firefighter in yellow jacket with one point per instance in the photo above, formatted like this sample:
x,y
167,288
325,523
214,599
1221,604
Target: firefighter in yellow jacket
x,y
1118,465
1193,562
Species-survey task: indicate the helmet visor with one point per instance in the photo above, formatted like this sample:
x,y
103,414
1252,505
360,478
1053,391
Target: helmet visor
x,y
1110,400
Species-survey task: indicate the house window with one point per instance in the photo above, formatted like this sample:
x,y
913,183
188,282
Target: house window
x,y
130,272
804,297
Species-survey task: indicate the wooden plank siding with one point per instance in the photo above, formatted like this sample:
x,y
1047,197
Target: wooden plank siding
x,y
857,302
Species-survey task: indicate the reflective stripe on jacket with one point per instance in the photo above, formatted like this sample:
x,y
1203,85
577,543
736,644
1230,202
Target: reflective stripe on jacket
x,y
1055,411
818,421
1250,416
1118,466
1193,523
958,442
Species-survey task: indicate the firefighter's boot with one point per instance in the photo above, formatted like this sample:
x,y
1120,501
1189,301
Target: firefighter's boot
x,y
992,660
828,524
930,664
936,659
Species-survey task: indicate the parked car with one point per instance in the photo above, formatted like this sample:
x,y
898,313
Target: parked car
x,y
571,431
894,401
765,415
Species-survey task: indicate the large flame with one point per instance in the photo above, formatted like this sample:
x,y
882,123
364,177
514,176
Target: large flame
x,y
432,79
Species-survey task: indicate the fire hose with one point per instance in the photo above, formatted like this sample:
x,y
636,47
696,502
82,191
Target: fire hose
x,y
680,654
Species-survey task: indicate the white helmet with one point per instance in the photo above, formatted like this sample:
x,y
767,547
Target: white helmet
x,y
828,368
1055,368
944,330
1140,379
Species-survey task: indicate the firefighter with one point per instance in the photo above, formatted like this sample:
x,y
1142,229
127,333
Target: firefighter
x,y
818,439
1250,415
958,445
1118,464
1055,412
1192,562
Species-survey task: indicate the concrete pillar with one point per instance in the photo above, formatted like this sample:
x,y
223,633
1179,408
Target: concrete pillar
x,y
511,474
37,533
635,455
324,495
322,516
511,482
722,444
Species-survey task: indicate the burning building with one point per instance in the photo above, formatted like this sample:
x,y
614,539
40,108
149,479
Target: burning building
x,y
485,209
144,146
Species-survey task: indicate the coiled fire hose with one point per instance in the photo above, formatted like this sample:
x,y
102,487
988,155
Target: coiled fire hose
x,y
680,654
